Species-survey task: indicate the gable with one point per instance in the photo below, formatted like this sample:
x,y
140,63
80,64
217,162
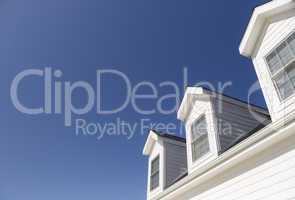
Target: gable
x,y
258,21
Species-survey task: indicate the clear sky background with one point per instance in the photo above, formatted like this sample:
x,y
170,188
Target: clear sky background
x,y
152,40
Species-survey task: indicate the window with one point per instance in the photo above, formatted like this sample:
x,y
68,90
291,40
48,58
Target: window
x,y
200,142
281,63
155,173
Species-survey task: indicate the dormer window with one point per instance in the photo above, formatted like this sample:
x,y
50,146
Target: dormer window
x,y
155,173
200,141
281,63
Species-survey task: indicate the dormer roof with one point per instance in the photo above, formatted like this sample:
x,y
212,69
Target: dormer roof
x,y
155,136
204,94
191,94
258,21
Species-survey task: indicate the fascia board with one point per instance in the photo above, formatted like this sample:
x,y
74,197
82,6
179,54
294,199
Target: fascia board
x,y
266,137
258,20
151,140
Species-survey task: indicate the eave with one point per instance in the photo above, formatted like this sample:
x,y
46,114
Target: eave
x,y
155,136
261,140
202,94
191,94
259,20
151,140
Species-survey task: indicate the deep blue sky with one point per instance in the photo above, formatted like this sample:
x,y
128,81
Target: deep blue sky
x,y
147,40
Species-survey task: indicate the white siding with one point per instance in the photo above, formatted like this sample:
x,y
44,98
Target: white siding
x,y
277,30
221,114
157,151
268,175
201,108
176,162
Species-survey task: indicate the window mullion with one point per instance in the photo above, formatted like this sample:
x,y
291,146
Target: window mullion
x,y
280,61
290,49
284,77
288,65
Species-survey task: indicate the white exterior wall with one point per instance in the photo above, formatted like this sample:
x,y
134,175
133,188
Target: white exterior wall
x,y
220,114
268,175
277,30
158,150
176,162
199,109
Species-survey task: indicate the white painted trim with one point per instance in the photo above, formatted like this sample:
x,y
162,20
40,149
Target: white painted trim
x,y
148,147
153,138
258,21
191,94
266,137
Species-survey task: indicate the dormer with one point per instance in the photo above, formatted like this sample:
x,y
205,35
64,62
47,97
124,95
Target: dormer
x,y
167,161
270,42
214,123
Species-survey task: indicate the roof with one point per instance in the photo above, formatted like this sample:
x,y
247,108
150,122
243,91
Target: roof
x,y
237,99
258,21
203,93
169,136
245,136
154,136
261,140
236,142
178,179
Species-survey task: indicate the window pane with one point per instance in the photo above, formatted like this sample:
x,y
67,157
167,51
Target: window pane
x,y
155,165
273,62
155,181
200,142
155,173
203,145
284,53
284,85
194,151
291,42
200,147
291,73
199,128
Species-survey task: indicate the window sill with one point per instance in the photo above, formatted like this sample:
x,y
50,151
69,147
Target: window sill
x,y
201,161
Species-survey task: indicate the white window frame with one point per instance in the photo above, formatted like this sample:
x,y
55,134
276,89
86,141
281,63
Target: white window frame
x,y
282,69
155,173
193,141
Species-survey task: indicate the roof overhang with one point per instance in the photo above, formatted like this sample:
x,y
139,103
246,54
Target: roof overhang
x,y
258,21
191,94
151,140
263,139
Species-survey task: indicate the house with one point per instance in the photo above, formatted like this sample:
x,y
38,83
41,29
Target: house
x,y
234,150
